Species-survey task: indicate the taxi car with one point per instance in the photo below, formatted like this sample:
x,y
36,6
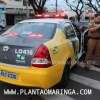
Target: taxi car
x,y
38,53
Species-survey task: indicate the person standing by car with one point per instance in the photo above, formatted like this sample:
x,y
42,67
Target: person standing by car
x,y
97,37
93,46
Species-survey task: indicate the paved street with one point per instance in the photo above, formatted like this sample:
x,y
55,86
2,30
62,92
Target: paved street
x,y
80,79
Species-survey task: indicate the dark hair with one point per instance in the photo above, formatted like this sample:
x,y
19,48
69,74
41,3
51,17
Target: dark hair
x,y
97,14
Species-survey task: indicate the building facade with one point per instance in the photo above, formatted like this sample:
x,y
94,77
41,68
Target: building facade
x,y
17,10
2,15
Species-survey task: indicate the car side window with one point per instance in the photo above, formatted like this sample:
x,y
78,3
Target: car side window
x,y
69,31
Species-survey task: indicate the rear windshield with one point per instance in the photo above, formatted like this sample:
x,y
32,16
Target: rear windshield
x,y
45,30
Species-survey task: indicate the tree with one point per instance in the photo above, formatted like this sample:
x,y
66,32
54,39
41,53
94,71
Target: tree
x,y
77,7
94,4
38,5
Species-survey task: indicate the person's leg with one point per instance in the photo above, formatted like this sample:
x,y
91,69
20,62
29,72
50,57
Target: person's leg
x,y
97,53
90,49
90,52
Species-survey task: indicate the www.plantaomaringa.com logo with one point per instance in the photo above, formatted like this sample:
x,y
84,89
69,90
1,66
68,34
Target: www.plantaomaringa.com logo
x,y
27,92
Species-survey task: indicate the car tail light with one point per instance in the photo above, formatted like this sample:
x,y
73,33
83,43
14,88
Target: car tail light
x,y
41,58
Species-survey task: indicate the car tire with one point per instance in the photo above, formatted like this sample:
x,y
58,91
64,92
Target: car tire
x,y
65,77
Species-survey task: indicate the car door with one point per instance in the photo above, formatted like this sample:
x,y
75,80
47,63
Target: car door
x,y
71,34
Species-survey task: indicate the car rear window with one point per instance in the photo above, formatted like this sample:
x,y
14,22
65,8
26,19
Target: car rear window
x,y
33,29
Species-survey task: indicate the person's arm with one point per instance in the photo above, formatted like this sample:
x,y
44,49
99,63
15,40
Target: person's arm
x,y
94,27
91,27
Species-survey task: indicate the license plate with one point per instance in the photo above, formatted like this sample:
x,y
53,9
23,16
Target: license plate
x,y
6,74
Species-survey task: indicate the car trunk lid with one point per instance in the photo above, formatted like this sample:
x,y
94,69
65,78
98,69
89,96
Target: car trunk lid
x,y
18,51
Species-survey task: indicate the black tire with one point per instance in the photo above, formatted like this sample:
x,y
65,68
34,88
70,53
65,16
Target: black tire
x,y
65,77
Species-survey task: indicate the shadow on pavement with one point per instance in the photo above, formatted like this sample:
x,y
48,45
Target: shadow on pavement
x,y
21,98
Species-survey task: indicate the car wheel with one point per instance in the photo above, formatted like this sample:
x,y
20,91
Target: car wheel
x,y
65,77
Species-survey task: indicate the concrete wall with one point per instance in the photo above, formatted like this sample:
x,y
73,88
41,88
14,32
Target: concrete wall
x,y
15,4
16,11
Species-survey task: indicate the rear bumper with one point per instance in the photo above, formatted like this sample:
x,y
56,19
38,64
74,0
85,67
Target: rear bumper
x,y
32,77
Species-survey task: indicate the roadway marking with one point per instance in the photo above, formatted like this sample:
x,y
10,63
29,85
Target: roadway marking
x,y
58,98
85,81
95,69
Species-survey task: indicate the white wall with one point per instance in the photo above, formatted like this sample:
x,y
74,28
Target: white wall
x,y
15,4
2,5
